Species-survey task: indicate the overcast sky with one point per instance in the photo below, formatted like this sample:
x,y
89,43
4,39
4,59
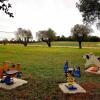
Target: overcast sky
x,y
60,15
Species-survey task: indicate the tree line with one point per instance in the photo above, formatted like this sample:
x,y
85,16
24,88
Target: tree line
x,y
89,38
78,33
90,11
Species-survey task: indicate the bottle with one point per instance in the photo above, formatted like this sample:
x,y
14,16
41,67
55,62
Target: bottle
x,y
66,66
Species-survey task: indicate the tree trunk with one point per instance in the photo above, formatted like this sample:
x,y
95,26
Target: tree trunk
x,y
4,43
49,43
25,42
80,45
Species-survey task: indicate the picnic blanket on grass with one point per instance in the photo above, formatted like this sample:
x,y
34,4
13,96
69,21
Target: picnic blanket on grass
x,y
17,82
65,90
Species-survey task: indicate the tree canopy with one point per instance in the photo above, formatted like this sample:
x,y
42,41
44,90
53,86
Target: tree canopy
x,y
23,35
90,10
79,31
4,6
46,35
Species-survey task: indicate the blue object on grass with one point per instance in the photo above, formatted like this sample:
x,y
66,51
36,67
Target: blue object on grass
x,y
8,80
66,67
72,88
77,72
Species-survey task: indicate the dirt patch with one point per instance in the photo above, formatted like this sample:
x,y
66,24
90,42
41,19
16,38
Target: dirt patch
x,y
48,90
90,95
91,87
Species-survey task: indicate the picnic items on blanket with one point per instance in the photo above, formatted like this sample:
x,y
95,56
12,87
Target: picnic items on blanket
x,y
70,74
9,76
7,73
71,86
73,71
7,80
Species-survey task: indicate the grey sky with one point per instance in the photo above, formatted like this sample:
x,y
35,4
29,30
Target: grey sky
x,y
60,15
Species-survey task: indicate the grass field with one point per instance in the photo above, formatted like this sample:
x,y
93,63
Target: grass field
x,y
69,44
43,69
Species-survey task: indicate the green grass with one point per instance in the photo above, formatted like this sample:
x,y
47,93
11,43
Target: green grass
x,y
46,64
69,44
43,61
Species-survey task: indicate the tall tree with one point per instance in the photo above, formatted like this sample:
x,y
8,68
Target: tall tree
x,y
46,36
90,10
23,36
79,32
5,7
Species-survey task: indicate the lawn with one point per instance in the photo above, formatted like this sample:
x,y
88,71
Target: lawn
x,y
68,44
43,69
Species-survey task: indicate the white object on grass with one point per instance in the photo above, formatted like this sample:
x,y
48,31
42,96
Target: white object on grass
x,y
65,90
91,59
